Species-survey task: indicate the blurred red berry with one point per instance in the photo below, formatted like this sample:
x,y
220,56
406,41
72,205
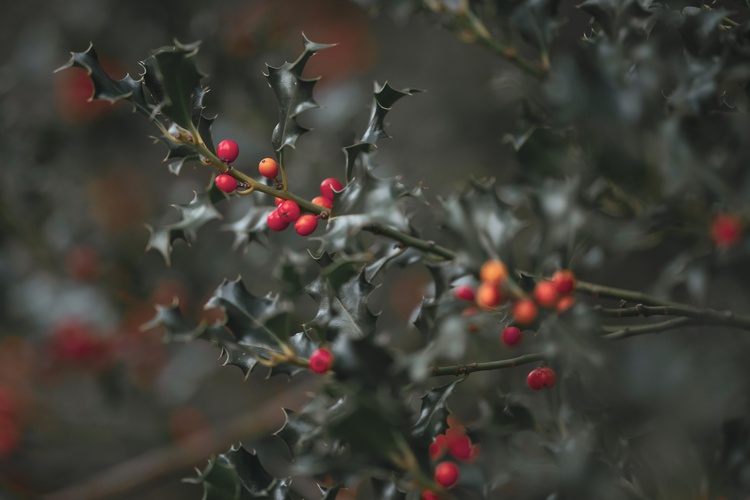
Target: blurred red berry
x,y
446,474
464,292
511,335
726,230
564,281
321,361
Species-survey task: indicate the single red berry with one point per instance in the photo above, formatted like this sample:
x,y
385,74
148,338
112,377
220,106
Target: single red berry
x,y
289,210
459,444
545,293
565,303
321,361
564,281
489,295
306,225
464,292
268,168
524,311
428,495
276,221
278,201
726,230
226,183
438,447
328,186
511,335
227,151
446,474
323,202
541,378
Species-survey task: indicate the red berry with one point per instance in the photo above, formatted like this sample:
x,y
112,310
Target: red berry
x,y
226,183
227,151
564,281
268,168
278,201
428,495
565,303
446,474
524,311
276,221
306,225
321,361
459,444
328,186
545,293
464,292
511,336
438,447
541,378
289,210
323,202
726,230
489,296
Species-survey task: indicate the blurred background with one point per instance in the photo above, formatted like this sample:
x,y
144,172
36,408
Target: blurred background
x,y
82,387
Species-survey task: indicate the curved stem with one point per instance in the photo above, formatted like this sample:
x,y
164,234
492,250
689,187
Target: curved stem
x,y
632,331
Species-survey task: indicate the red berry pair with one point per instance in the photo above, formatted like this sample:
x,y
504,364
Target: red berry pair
x,y
288,212
541,378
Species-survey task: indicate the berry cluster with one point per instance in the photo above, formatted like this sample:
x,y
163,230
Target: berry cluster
x,y
287,211
457,443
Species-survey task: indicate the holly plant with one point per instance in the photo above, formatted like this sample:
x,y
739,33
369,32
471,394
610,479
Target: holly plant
x,y
515,377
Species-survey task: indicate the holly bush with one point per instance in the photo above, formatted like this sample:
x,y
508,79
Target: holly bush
x,y
521,356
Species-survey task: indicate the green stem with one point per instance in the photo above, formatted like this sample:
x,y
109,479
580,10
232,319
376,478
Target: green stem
x,y
284,185
727,318
632,331
489,365
599,291
412,241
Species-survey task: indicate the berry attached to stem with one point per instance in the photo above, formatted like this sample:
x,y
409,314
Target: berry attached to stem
x,y
546,294
564,281
446,474
227,151
524,312
306,225
226,183
322,201
511,335
276,221
328,186
268,168
321,361
289,210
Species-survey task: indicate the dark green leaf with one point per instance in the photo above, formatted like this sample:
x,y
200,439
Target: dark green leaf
x,y
434,413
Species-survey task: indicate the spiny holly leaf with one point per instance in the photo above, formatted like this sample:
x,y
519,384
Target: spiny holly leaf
x,y
366,200
384,99
192,216
393,255
259,322
251,474
176,82
342,293
107,88
478,218
363,361
219,481
299,432
176,327
294,95
249,227
434,413
178,154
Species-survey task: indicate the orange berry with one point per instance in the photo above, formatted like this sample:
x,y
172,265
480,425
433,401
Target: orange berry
x,y
546,294
493,271
564,281
524,311
489,295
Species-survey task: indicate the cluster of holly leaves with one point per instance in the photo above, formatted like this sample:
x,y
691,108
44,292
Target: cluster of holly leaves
x,y
627,143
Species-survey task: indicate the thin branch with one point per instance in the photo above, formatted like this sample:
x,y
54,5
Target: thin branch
x,y
712,316
489,365
412,241
599,291
632,331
